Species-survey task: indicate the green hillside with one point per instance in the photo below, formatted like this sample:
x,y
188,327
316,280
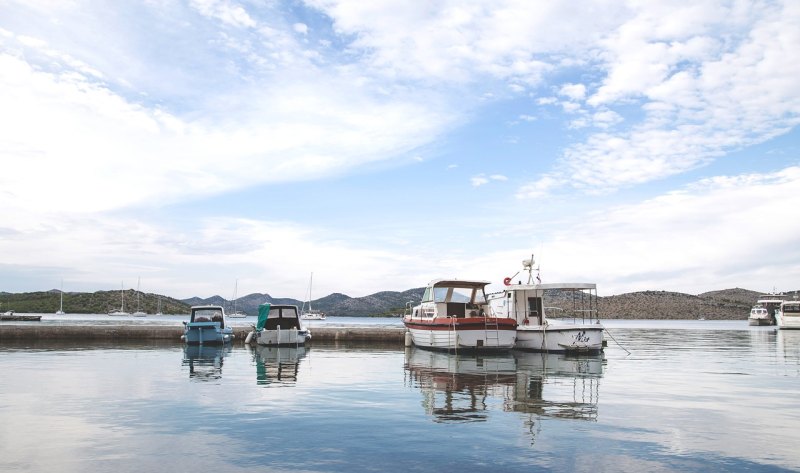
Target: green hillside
x,y
100,302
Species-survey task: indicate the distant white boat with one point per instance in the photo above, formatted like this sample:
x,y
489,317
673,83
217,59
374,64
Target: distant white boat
x,y
311,314
60,310
121,310
236,313
139,312
765,310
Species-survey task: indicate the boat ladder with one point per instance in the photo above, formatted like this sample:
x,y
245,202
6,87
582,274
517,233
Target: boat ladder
x,y
492,331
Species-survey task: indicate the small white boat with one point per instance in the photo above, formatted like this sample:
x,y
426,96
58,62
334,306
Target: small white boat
x,y
278,325
454,315
207,325
765,309
759,316
10,315
569,324
60,310
236,313
788,316
139,312
311,314
121,310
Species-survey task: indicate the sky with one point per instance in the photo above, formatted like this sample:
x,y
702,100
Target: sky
x,y
202,147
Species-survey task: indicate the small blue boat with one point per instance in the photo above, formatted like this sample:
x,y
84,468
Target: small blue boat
x,y
207,325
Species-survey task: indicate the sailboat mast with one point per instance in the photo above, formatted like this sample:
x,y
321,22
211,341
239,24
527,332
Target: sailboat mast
x,y
122,294
310,283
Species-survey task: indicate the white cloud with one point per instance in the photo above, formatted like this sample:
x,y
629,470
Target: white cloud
x,y
731,95
575,92
301,28
721,232
478,181
228,12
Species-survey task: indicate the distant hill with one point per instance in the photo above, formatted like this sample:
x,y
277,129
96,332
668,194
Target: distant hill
x,y
727,304
100,302
336,304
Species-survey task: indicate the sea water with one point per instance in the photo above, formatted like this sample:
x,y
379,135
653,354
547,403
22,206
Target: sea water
x,y
689,396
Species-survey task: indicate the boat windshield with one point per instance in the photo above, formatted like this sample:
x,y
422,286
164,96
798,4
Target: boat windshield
x,y
457,294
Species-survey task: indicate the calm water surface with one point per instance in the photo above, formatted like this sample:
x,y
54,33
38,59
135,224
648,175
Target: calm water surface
x,y
690,396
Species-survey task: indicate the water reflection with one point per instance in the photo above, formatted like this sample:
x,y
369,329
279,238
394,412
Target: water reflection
x,y
277,365
205,361
789,350
463,388
456,387
558,385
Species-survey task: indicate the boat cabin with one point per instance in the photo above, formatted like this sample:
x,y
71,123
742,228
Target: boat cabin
x,y
283,317
208,314
533,304
452,299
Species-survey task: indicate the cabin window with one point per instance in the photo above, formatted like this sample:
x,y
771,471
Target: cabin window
x,y
793,308
426,297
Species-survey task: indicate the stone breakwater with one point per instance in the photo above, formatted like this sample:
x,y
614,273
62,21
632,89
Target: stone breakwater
x,y
122,332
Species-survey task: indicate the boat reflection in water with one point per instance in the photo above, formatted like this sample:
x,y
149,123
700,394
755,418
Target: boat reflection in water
x,y
205,361
277,365
464,388
457,387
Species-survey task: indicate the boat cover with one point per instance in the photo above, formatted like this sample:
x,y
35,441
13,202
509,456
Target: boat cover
x,y
263,313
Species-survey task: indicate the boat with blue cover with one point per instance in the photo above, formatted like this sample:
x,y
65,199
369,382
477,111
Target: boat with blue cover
x,y
207,325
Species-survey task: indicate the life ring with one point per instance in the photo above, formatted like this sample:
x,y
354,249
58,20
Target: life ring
x,y
507,281
525,322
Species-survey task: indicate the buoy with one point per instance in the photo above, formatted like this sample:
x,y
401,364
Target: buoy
x,y
408,339
248,338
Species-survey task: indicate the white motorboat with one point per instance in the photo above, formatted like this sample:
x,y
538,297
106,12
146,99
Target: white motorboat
x,y
454,315
207,325
788,316
568,324
121,310
310,314
759,316
278,325
765,310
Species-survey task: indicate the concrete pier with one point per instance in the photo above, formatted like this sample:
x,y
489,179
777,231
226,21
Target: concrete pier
x,y
130,332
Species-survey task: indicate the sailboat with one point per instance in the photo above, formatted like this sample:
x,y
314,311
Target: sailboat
x,y
121,311
60,310
139,312
311,314
236,313
159,306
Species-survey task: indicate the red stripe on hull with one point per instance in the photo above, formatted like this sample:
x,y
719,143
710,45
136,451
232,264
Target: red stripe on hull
x,y
445,324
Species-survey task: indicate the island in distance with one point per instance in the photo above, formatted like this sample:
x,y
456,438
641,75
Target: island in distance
x,y
727,304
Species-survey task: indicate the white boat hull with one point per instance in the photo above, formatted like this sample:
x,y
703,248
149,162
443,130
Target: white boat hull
x,y
463,339
285,337
560,338
787,322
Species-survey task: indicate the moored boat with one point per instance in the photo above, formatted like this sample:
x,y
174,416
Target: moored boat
x,y
278,325
311,314
559,317
764,312
454,315
10,315
207,325
759,316
788,316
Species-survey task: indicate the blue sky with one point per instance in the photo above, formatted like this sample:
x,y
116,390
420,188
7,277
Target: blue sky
x,y
383,144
